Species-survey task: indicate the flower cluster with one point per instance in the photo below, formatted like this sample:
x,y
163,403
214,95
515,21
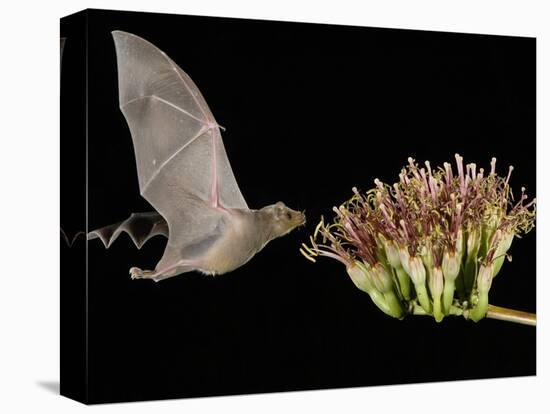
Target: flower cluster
x,y
431,243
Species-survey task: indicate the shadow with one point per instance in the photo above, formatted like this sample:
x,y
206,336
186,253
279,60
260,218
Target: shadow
x,y
51,386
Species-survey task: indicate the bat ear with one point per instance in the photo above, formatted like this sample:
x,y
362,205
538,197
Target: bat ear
x,y
280,208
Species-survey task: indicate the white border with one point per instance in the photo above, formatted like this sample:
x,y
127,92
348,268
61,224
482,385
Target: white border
x,y
29,171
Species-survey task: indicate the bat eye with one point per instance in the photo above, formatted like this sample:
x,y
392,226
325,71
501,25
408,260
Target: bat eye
x,y
288,215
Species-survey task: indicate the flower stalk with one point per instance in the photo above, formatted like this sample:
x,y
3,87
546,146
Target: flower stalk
x,y
429,244
510,315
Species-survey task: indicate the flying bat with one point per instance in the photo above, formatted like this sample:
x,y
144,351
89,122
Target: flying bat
x,y
184,173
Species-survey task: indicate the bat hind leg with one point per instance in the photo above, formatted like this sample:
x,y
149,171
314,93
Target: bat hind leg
x,y
137,273
163,273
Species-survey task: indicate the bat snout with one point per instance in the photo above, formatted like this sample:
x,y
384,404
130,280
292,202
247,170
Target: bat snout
x,y
298,218
301,218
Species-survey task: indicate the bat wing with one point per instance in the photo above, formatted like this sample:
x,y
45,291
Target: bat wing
x,y
139,226
182,165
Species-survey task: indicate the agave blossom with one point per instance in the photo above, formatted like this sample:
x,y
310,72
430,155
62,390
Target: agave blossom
x,y
429,244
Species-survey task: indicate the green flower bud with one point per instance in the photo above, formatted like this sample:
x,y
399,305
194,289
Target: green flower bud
x,y
450,265
501,250
504,244
459,244
427,255
484,278
436,289
436,282
450,269
381,278
360,278
383,281
418,272
473,241
405,259
392,253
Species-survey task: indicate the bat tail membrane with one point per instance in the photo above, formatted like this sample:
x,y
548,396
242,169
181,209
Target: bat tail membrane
x,y
176,272
139,226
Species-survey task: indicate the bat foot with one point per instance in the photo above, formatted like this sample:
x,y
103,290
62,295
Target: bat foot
x,y
137,273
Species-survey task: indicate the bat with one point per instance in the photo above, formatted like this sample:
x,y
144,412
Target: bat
x,y
184,173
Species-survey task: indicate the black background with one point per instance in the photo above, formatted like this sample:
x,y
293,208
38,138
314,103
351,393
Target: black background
x,y
310,111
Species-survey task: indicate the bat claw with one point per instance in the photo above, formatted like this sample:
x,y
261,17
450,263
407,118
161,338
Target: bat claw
x,y
136,273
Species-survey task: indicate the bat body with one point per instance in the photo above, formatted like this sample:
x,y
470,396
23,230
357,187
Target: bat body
x,y
240,235
183,171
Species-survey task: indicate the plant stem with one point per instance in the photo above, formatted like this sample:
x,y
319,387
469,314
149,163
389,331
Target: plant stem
x,y
423,298
448,294
438,313
510,315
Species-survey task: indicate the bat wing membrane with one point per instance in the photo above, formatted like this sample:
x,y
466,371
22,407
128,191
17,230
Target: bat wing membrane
x,y
183,169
